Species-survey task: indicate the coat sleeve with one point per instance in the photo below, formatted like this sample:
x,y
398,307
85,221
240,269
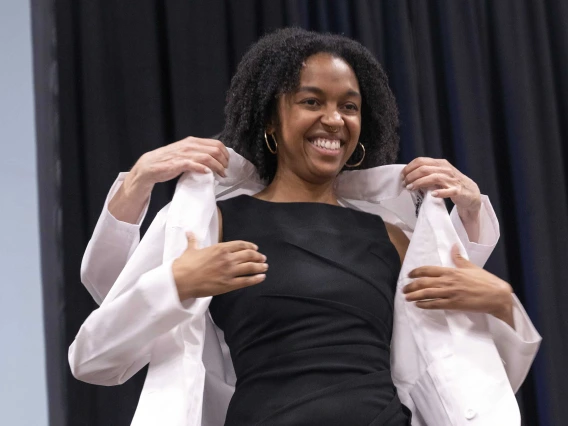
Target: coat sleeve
x,y
116,340
517,347
110,247
479,252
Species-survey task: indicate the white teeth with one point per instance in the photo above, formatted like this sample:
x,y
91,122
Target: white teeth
x,y
326,143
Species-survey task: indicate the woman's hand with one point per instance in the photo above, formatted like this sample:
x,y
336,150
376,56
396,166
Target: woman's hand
x,y
163,164
217,269
465,288
449,182
423,172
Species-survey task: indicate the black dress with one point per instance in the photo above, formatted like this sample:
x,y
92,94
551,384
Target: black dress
x,y
310,345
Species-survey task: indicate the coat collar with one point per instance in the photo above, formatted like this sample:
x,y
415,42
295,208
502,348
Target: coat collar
x,y
360,189
373,185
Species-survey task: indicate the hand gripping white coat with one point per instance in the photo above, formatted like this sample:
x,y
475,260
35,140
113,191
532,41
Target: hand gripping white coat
x,y
450,368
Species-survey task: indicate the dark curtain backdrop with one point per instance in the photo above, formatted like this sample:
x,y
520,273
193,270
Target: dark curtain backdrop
x,y
481,83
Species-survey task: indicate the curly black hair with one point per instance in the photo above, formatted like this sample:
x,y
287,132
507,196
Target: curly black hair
x,y
272,66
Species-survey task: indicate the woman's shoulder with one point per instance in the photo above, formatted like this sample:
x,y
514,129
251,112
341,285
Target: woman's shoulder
x,y
237,209
399,239
235,204
233,200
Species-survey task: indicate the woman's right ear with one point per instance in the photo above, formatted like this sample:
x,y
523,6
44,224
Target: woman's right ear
x,y
270,129
272,124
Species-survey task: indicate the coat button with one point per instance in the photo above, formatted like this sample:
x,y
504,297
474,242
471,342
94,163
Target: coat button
x,y
470,413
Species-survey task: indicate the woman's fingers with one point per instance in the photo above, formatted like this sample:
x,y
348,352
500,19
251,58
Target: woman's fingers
x,y
209,161
424,282
249,268
200,163
189,154
446,193
423,171
428,271
208,152
416,163
238,245
248,262
214,152
423,162
429,293
246,281
435,304
217,149
438,180
193,166
248,255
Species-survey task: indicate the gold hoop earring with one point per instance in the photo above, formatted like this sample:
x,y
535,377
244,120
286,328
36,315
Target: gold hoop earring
x,y
272,151
360,161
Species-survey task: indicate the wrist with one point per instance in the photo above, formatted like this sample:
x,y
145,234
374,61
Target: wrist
x,y
128,203
469,215
504,311
180,275
136,188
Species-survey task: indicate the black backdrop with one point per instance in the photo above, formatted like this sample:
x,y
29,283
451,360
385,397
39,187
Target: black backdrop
x,y
482,83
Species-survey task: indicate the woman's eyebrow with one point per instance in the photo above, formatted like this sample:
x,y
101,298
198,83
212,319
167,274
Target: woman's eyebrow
x,y
318,91
353,93
311,89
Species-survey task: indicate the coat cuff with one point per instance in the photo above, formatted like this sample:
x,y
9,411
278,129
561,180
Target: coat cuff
x,y
479,252
159,289
524,336
517,347
117,232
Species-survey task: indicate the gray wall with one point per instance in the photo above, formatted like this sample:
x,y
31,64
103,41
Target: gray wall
x,y
23,399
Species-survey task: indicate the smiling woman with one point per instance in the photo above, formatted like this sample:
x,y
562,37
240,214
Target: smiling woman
x,y
315,299
319,122
310,336
289,80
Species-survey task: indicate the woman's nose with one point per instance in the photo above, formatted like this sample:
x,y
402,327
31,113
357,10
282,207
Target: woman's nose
x,y
332,119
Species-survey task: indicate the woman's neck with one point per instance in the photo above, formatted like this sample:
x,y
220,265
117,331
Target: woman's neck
x,y
286,188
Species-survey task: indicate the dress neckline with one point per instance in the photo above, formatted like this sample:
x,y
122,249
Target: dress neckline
x,y
293,202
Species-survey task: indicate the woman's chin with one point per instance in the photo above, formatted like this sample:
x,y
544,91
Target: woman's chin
x,y
327,170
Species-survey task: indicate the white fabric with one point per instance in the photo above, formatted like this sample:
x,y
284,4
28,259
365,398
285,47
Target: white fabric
x,y
450,368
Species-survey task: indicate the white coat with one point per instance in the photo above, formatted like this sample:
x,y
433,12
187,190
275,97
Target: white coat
x,y
450,368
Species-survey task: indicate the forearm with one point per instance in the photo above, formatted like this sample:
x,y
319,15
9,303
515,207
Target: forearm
x,y
506,314
130,200
487,227
472,223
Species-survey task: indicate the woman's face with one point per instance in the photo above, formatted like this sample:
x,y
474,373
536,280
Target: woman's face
x,y
319,122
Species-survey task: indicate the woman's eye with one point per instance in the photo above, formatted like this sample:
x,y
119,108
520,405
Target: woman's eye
x,y
310,102
352,107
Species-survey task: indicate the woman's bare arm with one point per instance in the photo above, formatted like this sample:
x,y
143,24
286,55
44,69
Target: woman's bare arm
x,y
220,216
399,240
